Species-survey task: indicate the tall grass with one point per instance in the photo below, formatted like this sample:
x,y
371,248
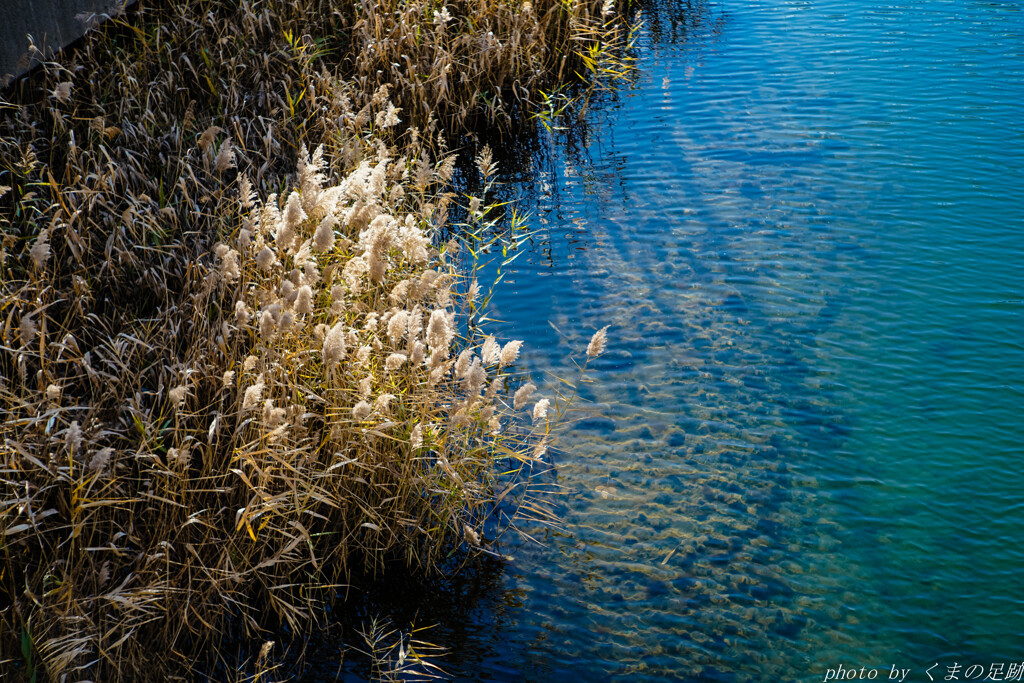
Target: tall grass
x,y
236,361
495,61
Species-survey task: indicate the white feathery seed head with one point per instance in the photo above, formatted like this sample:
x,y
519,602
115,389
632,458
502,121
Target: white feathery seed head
x,y
475,378
179,457
439,331
319,333
178,394
274,310
293,213
62,93
28,329
540,449
311,177
363,354
284,236
540,409
397,326
323,238
206,139
413,242
270,215
522,395
490,352
419,353
229,267
382,402
100,459
310,273
437,372
446,168
598,342
272,417
74,437
267,325
246,195
460,419
225,157
415,324
334,344
495,386
253,396
40,251
241,313
443,17
437,359
304,300
400,292
462,364
361,411
353,272
266,259
510,352
388,118
395,361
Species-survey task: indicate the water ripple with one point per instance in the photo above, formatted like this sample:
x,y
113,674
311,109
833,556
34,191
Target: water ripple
x,y
804,226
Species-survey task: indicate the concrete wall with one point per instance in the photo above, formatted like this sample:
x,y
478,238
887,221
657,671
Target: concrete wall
x,y
52,25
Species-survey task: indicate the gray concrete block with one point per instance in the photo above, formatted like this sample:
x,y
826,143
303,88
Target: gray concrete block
x,y
52,24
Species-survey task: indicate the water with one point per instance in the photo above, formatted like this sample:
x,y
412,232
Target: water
x,y
804,226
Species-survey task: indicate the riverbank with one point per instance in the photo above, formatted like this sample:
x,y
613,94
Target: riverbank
x,y
238,362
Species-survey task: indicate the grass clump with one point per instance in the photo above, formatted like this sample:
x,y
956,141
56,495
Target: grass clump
x,y
234,371
491,61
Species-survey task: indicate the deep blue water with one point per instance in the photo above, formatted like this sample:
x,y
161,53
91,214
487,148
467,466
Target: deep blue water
x,y
804,224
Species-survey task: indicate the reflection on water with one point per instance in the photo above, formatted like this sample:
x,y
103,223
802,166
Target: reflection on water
x,y
803,225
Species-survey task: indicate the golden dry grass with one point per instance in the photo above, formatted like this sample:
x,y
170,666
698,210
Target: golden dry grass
x,y
236,363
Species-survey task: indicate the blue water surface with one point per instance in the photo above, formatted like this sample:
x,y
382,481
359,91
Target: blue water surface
x,y
803,223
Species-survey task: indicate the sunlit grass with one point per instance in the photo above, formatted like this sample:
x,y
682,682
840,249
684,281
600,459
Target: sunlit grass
x,y
237,362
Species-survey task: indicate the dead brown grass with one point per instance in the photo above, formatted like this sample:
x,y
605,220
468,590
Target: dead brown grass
x,y
235,362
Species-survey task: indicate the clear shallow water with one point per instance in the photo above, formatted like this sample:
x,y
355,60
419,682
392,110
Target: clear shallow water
x,y
804,226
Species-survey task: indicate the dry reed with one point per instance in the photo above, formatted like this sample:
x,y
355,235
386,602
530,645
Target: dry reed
x,y
234,368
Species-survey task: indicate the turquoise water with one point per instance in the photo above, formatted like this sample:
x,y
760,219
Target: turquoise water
x,y
804,225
